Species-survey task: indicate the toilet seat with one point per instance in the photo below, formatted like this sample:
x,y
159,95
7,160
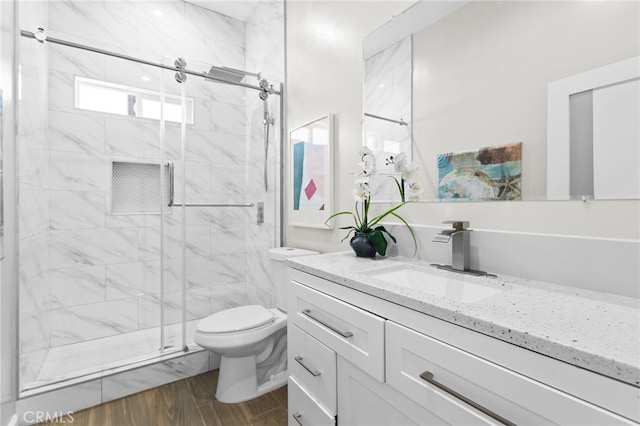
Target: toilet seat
x,y
234,320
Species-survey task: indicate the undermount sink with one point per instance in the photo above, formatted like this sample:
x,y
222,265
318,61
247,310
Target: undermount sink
x,y
423,280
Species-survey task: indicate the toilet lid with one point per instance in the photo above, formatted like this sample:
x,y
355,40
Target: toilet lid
x,y
235,319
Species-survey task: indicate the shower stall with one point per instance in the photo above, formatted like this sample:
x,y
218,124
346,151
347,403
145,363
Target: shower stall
x,y
148,179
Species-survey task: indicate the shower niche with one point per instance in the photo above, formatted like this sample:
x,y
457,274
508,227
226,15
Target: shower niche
x,y
137,188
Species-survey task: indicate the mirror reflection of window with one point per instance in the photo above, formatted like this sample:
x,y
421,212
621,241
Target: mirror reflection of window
x,y
581,144
604,141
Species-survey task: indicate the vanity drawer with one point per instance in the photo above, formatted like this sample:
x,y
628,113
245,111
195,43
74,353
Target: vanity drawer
x,y
353,333
303,410
411,357
313,365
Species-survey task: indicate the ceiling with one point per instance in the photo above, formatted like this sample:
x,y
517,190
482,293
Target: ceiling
x,y
238,9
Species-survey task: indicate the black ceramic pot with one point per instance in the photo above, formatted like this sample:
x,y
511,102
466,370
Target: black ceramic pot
x,y
362,246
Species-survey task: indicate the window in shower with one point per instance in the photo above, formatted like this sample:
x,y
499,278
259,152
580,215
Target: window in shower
x,y
112,98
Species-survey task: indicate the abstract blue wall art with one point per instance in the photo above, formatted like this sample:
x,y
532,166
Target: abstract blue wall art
x,y
491,173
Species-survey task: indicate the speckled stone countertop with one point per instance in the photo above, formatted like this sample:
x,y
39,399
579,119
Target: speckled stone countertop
x,y
596,331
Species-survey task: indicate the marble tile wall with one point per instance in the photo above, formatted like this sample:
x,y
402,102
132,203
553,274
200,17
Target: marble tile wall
x,y
100,274
387,93
33,205
387,81
265,53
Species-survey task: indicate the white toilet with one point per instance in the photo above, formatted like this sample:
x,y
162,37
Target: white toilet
x,y
251,337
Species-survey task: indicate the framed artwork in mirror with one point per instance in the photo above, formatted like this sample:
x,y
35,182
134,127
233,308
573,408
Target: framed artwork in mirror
x,y
311,173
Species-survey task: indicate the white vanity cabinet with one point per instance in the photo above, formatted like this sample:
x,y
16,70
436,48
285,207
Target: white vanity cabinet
x,y
379,363
321,329
353,333
362,400
428,370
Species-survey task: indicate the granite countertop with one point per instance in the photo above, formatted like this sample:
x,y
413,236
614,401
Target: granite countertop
x,y
596,331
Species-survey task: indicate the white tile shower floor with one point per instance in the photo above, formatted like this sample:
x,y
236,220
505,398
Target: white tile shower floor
x,y
68,362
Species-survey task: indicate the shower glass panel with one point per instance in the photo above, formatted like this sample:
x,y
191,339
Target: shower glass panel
x,y
225,157
211,204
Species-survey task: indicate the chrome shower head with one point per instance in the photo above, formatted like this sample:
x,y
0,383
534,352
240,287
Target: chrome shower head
x,y
230,75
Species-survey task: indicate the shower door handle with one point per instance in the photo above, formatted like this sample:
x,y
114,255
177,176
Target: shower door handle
x,y
171,182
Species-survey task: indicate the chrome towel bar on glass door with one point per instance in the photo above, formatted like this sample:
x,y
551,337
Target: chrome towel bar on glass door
x,y
212,205
174,204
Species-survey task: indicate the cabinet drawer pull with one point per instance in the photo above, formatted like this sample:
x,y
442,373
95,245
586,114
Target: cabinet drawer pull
x,y
297,417
314,373
427,376
345,334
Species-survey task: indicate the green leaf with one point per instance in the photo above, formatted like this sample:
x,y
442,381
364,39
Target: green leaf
x,y
347,236
381,228
400,188
415,241
378,241
338,214
385,214
357,216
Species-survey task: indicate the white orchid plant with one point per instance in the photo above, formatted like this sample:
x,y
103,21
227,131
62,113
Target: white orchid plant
x,y
408,177
362,194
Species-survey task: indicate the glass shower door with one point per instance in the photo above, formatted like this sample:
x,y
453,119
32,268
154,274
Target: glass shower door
x,y
93,211
218,190
176,113
205,256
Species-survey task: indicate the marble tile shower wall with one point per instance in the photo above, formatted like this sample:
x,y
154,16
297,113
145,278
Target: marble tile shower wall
x,y
265,53
387,81
33,201
100,275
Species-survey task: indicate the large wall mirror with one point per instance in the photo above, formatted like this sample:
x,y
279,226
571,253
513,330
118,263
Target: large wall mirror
x,y
450,77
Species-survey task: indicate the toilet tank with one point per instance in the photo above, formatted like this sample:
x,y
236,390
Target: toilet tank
x,y
279,255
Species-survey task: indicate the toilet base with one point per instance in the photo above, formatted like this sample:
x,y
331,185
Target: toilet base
x,y
237,380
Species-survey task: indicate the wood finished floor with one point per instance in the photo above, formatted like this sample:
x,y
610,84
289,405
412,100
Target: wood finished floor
x,y
188,402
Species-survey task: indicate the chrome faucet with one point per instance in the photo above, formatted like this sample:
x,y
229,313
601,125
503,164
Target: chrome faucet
x,y
460,237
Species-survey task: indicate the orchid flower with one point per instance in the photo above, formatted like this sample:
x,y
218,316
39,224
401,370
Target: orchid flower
x,y
364,175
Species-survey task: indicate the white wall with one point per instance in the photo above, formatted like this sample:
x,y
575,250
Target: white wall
x,y
482,72
324,74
